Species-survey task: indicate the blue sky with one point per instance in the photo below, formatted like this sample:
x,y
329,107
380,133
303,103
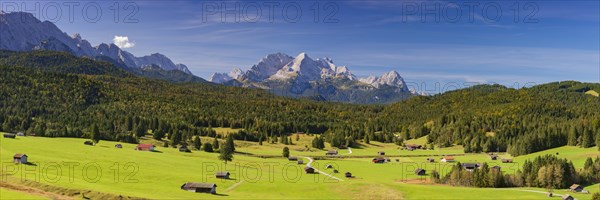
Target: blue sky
x,y
558,41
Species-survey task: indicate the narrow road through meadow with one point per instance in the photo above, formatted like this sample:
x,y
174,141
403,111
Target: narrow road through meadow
x,y
310,161
535,191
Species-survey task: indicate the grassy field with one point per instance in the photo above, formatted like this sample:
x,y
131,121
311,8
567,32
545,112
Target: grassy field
x,y
225,130
103,170
12,194
593,93
302,146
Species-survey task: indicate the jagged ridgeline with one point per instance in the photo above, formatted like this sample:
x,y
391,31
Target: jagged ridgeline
x,y
59,95
21,31
318,79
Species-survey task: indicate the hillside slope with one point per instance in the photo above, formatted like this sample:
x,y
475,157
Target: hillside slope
x,y
524,120
66,96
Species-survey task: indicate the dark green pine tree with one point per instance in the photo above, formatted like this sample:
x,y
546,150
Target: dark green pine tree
x,y
598,139
587,139
226,152
175,138
207,147
286,152
215,144
158,134
95,135
230,143
197,143
140,130
572,139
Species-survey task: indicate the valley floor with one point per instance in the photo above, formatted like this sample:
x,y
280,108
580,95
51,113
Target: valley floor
x,y
65,168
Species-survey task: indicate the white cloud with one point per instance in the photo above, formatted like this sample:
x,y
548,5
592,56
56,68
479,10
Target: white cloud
x,y
123,42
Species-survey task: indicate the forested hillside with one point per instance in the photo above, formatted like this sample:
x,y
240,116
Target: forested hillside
x,y
492,117
47,100
57,95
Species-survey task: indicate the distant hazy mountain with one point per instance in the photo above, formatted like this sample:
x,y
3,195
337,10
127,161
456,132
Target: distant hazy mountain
x,y
321,79
224,77
21,31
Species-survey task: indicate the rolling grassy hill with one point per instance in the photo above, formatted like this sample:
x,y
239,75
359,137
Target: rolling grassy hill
x,y
158,175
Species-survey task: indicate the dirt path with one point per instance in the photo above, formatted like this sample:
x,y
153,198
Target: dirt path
x,y
535,191
234,186
310,161
33,191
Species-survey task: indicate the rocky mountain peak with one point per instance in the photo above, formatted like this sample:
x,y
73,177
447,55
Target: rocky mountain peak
x,y
22,31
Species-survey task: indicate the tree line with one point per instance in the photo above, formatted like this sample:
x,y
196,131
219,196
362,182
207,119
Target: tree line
x,y
546,171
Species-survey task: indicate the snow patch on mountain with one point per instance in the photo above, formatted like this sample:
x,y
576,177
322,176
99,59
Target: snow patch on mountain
x,y
391,78
236,73
304,76
267,67
303,68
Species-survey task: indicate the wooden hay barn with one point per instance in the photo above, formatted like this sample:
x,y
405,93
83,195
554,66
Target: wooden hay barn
x,y
497,168
184,149
300,162
10,135
222,175
20,158
471,166
378,160
413,146
507,160
309,170
118,146
332,153
447,159
348,175
420,172
144,147
575,188
292,158
200,187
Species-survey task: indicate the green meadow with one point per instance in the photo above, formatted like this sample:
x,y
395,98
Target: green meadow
x,y
67,167
12,194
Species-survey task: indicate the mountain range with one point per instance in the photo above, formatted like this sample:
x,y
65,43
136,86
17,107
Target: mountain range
x,y
321,79
21,31
300,76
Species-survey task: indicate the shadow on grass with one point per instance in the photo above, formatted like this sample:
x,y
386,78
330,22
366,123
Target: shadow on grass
x,y
244,153
360,146
30,164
